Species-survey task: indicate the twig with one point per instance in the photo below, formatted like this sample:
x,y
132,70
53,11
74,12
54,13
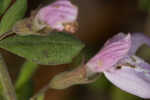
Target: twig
x,y
8,89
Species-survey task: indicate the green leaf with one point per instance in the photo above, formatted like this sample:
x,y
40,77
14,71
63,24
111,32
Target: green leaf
x,y
4,5
57,48
14,13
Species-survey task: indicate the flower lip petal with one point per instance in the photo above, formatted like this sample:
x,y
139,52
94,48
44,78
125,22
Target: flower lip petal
x,y
110,54
130,80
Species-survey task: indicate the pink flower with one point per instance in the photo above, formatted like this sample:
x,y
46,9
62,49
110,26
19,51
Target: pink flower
x,y
60,15
113,50
117,60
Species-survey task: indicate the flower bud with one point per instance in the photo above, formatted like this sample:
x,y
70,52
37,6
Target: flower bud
x,y
70,78
60,15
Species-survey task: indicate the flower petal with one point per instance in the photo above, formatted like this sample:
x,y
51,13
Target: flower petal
x,y
135,61
138,39
132,77
114,50
57,14
115,38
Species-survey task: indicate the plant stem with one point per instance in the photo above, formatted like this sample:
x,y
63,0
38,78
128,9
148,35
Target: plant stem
x,y
8,89
25,74
40,93
23,89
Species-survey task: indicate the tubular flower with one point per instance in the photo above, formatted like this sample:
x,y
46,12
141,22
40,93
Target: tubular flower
x,y
117,60
60,15
113,50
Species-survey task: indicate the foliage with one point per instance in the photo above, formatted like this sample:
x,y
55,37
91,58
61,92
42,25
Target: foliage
x,y
57,48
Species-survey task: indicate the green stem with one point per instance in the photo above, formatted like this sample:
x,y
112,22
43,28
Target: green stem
x,y
25,74
8,89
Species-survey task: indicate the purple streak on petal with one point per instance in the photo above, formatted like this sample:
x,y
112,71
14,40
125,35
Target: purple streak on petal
x,y
114,50
135,61
130,80
138,39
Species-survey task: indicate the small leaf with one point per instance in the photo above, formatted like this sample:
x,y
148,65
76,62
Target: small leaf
x,y
4,5
13,14
57,48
